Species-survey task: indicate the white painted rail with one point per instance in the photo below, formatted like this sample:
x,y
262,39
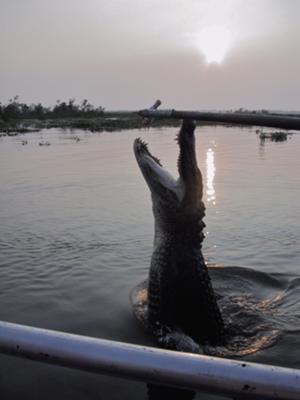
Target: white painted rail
x,y
201,373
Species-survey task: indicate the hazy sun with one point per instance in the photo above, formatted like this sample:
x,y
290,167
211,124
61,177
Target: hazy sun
x,y
214,42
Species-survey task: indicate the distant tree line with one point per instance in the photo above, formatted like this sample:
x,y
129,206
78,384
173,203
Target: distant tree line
x,y
14,109
246,111
266,112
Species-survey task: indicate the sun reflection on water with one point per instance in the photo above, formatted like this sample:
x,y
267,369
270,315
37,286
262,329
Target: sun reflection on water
x,y
210,175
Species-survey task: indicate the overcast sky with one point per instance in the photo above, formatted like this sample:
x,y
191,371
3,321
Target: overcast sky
x,y
192,54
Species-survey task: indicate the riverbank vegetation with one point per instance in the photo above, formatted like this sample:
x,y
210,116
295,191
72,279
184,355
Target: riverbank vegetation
x,y
17,117
276,136
14,109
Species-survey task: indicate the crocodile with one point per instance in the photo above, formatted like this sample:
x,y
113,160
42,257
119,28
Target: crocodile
x,y
180,292
182,312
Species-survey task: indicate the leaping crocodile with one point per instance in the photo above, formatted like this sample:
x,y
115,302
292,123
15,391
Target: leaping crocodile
x,y
180,293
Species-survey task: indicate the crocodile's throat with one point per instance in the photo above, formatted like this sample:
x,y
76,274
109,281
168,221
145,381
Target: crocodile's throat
x,y
180,294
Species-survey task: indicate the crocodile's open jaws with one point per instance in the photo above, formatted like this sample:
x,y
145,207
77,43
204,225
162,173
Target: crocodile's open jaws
x,y
180,295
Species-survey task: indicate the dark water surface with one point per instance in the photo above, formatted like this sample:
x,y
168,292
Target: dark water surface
x,y
76,236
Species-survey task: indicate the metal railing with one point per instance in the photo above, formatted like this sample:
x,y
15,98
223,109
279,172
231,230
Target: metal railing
x,y
189,371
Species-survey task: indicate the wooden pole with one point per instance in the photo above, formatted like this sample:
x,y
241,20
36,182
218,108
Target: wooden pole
x,y
272,121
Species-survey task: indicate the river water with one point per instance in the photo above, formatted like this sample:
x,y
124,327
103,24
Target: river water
x,y
76,237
